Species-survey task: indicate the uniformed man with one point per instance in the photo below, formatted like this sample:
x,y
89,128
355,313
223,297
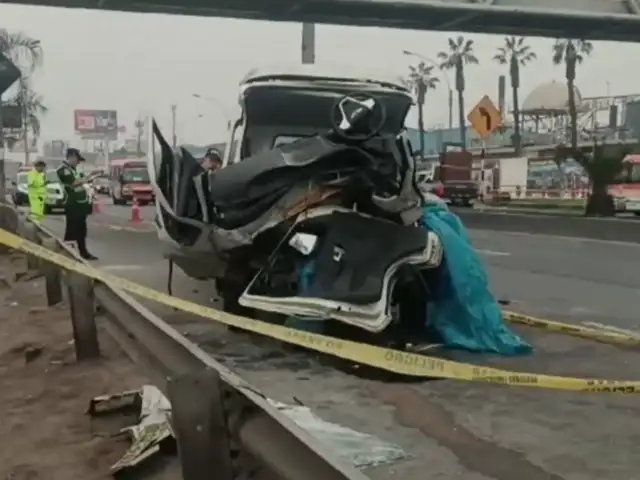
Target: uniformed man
x,y
77,205
37,191
212,160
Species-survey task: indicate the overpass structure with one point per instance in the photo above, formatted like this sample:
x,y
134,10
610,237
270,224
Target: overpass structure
x,y
590,19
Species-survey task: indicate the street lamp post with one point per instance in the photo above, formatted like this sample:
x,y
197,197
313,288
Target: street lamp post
x,y
218,103
444,75
174,139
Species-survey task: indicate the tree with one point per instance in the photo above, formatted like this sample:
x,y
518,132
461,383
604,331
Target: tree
x,y
32,105
515,53
26,53
23,50
420,80
571,52
603,165
460,54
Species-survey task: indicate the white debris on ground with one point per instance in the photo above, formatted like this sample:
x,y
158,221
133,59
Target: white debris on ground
x,y
153,426
359,449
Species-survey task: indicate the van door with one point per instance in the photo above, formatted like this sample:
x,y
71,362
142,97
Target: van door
x,y
171,175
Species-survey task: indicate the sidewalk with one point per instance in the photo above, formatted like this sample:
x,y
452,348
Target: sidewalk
x,y
45,432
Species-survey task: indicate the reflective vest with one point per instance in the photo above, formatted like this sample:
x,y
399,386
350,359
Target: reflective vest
x,y
37,183
75,195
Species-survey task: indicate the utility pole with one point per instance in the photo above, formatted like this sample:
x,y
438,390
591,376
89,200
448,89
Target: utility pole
x,y
308,43
3,156
421,91
25,122
173,126
139,129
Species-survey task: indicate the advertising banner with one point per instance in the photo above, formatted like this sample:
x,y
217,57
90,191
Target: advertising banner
x,y
96,124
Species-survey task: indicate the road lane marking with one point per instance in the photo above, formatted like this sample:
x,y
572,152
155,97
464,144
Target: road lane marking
x,y
121,268
493,253
123,228
558,237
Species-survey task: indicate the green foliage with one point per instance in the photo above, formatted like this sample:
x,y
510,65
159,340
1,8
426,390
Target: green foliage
x,y
515,53
421,79
32,105
460,53
571,52
603,164
26,53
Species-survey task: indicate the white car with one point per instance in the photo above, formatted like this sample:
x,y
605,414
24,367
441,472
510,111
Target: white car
x,y
56,196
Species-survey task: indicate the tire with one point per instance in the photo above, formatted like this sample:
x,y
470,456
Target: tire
x,y
637,214
117,201
466,203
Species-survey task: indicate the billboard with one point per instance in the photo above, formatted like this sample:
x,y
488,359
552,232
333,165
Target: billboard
x,y
96,124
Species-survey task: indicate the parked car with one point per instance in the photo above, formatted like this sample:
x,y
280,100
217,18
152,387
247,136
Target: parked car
x,y
101,185
19,194
56,195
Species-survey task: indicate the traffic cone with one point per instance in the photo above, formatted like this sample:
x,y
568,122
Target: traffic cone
x,y
136,215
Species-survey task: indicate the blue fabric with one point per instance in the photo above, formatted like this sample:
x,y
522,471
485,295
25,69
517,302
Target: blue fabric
x,y
307,273
463,311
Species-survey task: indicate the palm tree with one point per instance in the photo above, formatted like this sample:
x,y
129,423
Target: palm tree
x,y
515,53
32,105
24,51
571,52
460,54
420,80
33,108
602,164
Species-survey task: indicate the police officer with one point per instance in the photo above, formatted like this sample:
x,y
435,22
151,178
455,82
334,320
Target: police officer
x,y
77,206
212,160
37,191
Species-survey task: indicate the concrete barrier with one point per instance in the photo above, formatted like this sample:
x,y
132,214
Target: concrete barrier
x,y
612,229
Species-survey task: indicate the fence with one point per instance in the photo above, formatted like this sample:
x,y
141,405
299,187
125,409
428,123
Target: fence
x,y
224,428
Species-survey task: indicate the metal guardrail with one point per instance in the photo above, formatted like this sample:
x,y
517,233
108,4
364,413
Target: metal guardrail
x,y
224,427
605,228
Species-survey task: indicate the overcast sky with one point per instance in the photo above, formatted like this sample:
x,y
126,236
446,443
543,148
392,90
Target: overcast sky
x,y
143,63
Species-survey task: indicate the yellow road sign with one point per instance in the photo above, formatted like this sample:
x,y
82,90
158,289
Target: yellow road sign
x,y
485,117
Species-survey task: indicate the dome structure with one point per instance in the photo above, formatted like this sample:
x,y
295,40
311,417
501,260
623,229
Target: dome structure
x,y
550,97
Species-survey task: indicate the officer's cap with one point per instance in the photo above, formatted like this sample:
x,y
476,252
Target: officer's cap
x,y
213,154
74,152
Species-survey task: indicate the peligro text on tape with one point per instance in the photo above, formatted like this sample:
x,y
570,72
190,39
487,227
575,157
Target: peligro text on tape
x,y
403,363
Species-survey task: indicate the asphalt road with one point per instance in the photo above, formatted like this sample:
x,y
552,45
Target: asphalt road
x,y
450,429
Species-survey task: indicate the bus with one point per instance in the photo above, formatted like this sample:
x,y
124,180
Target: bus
x,y
129,180
626,189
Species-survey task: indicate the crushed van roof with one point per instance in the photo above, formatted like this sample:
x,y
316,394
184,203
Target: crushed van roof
x,y
322,72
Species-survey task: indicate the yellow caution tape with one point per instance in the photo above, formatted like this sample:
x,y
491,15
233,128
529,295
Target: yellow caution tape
x,y
399,362
600,335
